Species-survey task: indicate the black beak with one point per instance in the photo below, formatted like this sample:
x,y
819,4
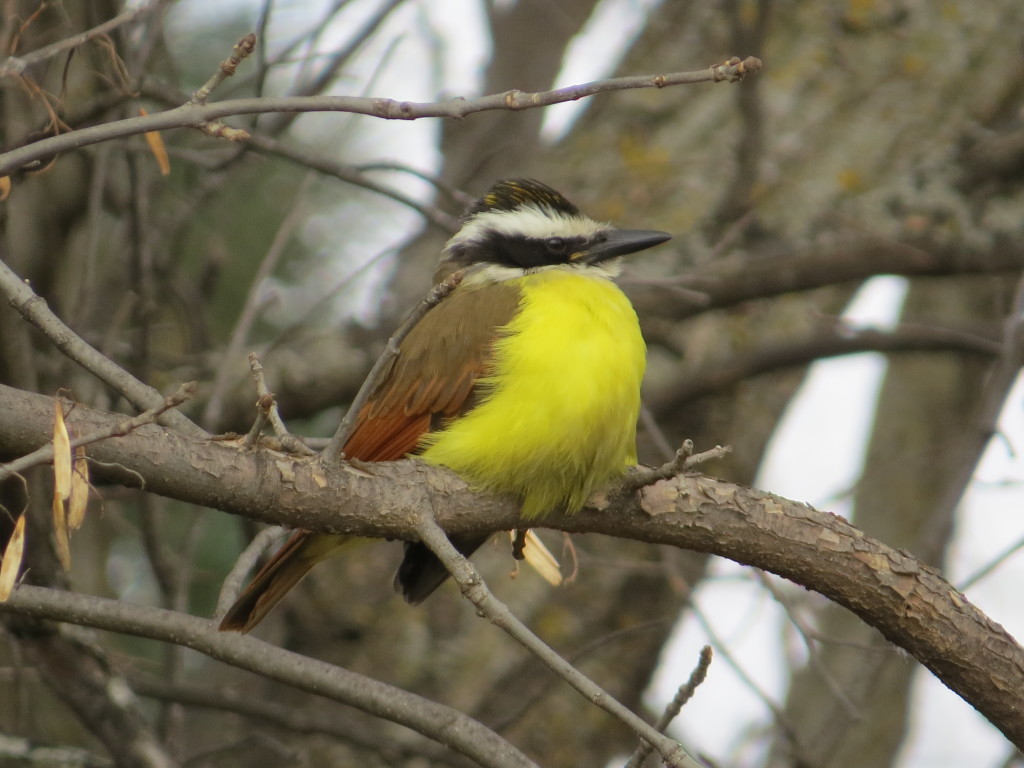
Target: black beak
x,y
619,242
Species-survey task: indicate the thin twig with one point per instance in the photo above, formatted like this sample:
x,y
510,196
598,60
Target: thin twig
x,y
266,410
263,405
14,65
241,50
437,294
782,720
33,308
488,606
319,82
991,565
193,115
44,455
674,707
809,636
986,422
352,175
321,720
251,308
684,460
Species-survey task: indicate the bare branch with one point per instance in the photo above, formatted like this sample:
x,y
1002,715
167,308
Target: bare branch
x,y
986,420
82,678
436,721
242,50
44,455
683,695
728,282
488,606
907,601
14,65
281,715
683,460
193,115
234,581
796,352
253,306
34,309
351,175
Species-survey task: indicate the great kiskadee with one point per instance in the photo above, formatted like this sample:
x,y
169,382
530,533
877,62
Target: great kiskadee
x,y
525,380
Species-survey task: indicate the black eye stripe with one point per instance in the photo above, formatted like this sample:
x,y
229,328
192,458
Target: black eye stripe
x,y
526,252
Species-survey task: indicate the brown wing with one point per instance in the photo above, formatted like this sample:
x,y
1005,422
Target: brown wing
x,y
433,377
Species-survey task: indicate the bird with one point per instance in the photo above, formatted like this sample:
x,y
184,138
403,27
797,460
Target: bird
x,y
524,380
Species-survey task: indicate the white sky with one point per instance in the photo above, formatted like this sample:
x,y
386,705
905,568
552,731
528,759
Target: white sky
x,y
840,393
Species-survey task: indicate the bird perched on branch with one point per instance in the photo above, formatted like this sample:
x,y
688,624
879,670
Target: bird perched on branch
x,y
525,380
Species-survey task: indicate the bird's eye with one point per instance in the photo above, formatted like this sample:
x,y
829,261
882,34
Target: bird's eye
x,y
556,245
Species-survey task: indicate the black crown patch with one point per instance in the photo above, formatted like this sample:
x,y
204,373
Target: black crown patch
x,y
509,194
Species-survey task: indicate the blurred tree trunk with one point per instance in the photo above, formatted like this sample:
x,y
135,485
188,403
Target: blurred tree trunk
x,y
851,708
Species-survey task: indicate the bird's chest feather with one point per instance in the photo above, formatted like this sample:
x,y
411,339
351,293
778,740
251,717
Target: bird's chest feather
x,y
557,413
573,352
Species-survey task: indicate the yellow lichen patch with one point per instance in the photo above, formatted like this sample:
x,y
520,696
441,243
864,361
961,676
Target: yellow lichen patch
x,y
912,64
850,180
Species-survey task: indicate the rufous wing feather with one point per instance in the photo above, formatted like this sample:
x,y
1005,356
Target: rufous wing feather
x,y
283,571
433,379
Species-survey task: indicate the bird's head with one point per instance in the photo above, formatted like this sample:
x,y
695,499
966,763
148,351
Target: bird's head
x,y
522,225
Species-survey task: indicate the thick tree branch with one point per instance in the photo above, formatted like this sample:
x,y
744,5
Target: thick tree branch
x,y
904,599
727,282
436,721
193,115
798,352
322,720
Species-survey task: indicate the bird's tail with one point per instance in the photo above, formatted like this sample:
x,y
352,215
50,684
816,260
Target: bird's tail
x,y
421,572
282,572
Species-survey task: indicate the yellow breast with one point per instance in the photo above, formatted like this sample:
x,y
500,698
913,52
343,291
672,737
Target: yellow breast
x,y
557,419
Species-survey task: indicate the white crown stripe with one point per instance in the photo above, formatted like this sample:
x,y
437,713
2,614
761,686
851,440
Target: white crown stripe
x,y
527,221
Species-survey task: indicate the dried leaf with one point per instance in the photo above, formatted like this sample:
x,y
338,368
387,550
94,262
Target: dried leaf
x,y
541,560
61,453
79,498
157,147
11,563
60,531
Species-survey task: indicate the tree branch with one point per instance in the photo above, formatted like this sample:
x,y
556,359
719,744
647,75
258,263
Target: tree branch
x,y
193,115
14,65
436,721
728,282
910,603
474,588
797,352
34,309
